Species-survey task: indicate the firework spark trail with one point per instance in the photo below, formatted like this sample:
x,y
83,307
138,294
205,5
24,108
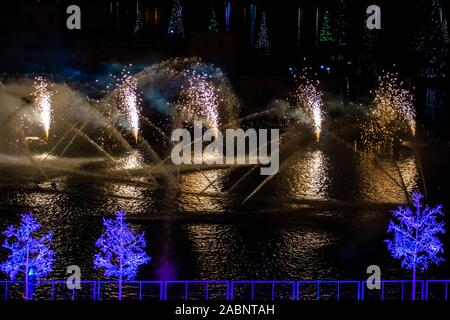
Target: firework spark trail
x,y
393,113
200,99
309,98
129,97
43,101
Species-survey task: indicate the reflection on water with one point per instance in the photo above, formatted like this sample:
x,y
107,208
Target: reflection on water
x,y
308,177
207,182
242,252
323,174
268,239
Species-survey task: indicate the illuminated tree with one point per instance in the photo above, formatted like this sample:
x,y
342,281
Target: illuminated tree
x,y
139,24
176,20
121,250
340,22
415,236
213,25
29,255
431,46
325,31
263,38
445,31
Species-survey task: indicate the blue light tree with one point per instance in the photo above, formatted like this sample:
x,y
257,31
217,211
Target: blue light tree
x,y
29,255
415,236
121,250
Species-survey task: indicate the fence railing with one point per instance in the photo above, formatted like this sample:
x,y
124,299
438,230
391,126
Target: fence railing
x,y
231,290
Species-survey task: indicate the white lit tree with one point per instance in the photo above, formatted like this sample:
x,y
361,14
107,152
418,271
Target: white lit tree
x,y
121,250
139,24
415,236
263,37
431,46
176,20
30,254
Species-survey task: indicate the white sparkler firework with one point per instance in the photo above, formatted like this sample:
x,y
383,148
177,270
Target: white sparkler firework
x,y
309,99
43,101
200,99
130,102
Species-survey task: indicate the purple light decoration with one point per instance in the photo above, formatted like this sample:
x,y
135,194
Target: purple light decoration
x,y
415,236
121,250
227,15
29,255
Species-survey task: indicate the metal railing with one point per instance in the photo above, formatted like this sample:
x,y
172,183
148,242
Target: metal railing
x,y
231,290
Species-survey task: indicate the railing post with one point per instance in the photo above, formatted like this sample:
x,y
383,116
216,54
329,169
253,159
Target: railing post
x,y
403,290
53,290
6,290
426,290
206,290
422,289
165,290
187,291
228,291
232,291
362,288
294,290
273,291
140,290
446,291
253,290
318,290
338,290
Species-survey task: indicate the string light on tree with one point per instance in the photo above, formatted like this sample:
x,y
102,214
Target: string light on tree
x,y
139,23
432,46
121,250
325,32
29,255
176,20
213,25
415,234
263,38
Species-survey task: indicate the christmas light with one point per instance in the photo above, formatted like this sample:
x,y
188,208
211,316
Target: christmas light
x,y
263,38
121,250
415,236
29,255
176,20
